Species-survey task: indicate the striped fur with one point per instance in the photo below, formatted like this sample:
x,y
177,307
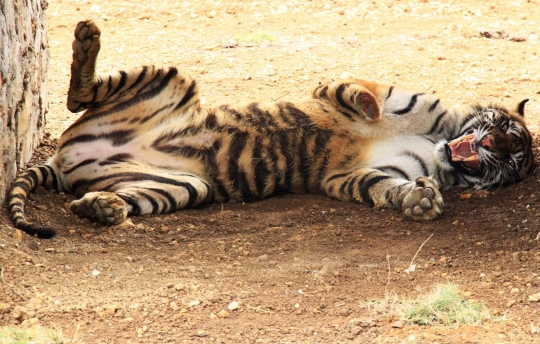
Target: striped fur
x,y
144,145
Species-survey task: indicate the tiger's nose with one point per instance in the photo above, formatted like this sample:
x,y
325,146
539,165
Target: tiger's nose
x,y
487,143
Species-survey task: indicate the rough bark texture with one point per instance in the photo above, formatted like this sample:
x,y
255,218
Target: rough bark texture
x,y
24,59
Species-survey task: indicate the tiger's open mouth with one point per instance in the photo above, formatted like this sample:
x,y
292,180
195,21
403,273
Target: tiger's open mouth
x,y
462,150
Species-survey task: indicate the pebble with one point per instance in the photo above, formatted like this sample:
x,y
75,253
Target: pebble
x,y
194,303
397,324
534,297
222,313
31,322
141,331
4,307
232,306
111,309
481,194
17,236
517,256
201,333
356,330
33,245
20,313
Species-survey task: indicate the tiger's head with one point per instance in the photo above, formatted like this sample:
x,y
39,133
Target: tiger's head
x,y
493,148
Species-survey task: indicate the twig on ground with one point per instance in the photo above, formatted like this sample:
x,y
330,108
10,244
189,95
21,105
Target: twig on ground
x,y
161,331
283,95
7,285
409,269
76,332
259,309
388,278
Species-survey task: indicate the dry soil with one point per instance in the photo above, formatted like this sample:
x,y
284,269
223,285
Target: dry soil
x,y
295,268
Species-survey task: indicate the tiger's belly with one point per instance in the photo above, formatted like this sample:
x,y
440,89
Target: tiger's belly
x,y
143,153
406,157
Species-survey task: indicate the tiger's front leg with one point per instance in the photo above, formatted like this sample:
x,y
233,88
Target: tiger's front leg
x,y
419,200
424,201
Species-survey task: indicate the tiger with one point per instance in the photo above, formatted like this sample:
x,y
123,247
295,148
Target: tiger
x,y
144,144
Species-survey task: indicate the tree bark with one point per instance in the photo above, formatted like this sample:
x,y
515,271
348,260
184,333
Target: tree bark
x,y
24,58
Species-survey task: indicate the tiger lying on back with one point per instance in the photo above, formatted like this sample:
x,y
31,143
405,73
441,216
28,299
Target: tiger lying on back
x,y
145,145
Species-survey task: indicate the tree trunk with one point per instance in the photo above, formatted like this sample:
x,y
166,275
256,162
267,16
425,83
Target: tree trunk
x,y
24,59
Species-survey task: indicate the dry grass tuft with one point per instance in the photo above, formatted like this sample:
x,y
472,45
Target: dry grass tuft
x,y
445,306
35,334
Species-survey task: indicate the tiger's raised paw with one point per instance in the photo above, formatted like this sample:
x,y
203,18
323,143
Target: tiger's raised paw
x,y
86,44
105,207
424,202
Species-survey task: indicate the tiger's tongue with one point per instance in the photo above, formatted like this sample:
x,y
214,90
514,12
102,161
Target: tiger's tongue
x,y
462,150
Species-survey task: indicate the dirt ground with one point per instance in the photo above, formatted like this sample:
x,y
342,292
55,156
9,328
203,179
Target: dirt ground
x,y
296,268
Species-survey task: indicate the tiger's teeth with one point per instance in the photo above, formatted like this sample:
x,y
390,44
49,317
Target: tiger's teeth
x,y
471,158
458,140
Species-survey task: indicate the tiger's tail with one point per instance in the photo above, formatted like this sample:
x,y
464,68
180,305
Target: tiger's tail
x,y
26,182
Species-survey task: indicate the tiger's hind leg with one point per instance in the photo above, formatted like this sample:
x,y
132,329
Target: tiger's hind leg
x,y
113,93
86,46
105,207
138,193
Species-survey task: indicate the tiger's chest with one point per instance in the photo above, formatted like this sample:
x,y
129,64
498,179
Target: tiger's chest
x,y
407,157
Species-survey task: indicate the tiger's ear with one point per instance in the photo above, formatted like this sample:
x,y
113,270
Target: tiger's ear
x,y
520,108
366,105
352,97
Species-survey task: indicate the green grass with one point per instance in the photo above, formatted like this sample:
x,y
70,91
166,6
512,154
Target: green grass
x,y
257,38
445,306
33,335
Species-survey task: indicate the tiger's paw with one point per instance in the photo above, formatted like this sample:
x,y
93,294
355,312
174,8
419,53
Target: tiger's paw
x,y
105,207
424,202
86,44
